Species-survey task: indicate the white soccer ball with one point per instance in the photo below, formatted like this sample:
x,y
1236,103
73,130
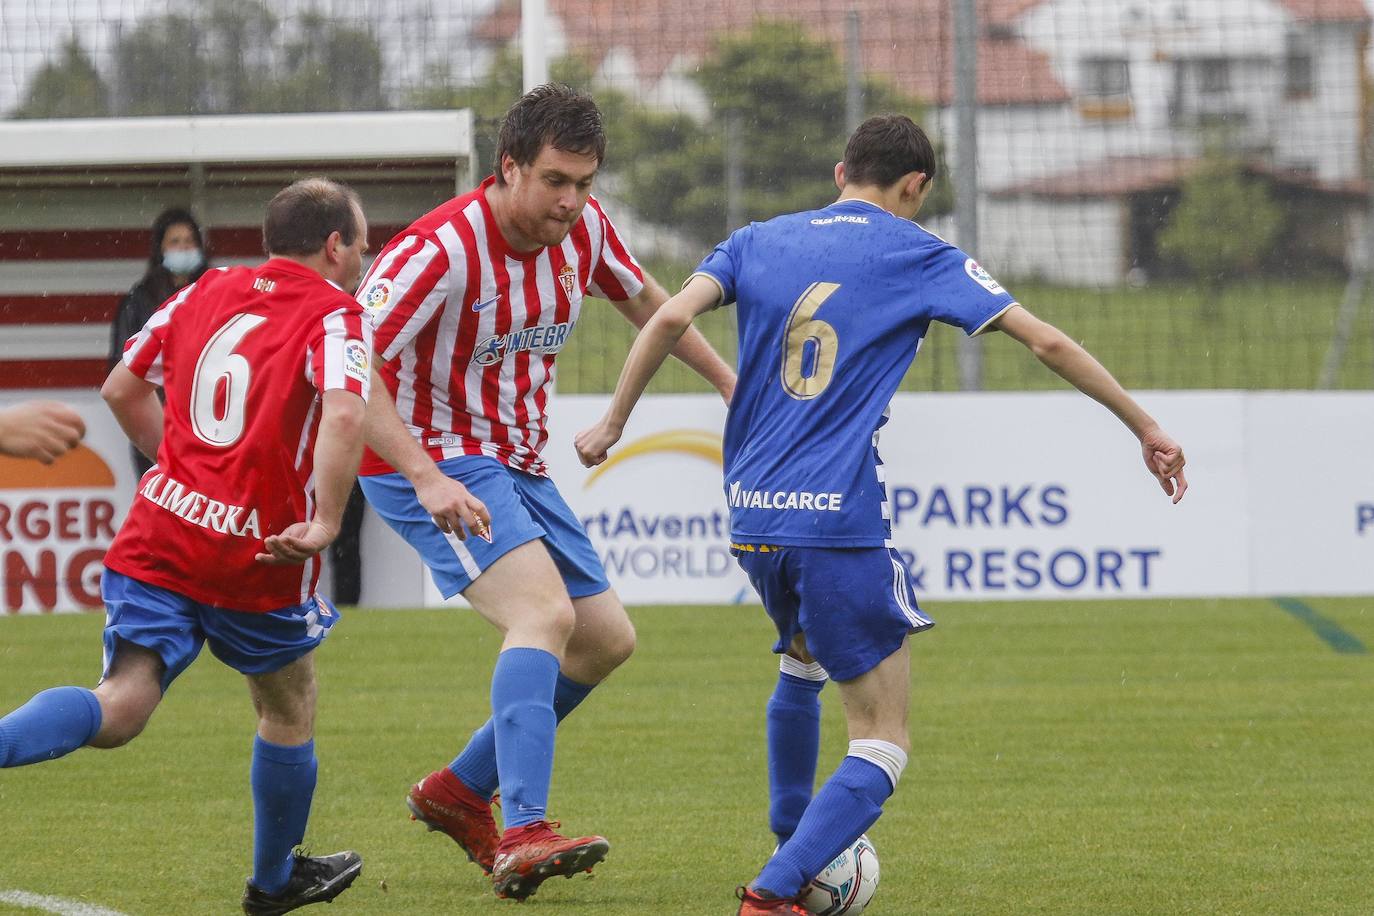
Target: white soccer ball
x,y
847,884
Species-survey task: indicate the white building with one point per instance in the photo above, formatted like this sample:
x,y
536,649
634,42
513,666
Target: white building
x,y
1091,112
1152,84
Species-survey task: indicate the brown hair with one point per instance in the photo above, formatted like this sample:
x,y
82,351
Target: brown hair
x,y
302,216
554,115
886,147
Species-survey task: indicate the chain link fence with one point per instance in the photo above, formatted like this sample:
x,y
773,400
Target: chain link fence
x,y
1182,186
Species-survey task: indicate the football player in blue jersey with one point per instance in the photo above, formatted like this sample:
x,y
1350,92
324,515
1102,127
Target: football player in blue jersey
x,y
833,305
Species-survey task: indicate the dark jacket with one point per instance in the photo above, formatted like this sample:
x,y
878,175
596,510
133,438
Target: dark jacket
x,y
133,313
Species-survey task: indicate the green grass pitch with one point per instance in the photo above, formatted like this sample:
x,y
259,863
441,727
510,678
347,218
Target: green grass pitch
x,y
1134,757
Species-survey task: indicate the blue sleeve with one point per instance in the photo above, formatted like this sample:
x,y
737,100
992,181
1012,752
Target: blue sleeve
x,y
722,265
957,291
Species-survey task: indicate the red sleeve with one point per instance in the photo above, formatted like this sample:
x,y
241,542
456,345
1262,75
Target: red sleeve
x,y
407,285
340,351
143,351
617,276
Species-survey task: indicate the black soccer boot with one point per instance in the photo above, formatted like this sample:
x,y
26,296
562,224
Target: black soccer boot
x,y
313,880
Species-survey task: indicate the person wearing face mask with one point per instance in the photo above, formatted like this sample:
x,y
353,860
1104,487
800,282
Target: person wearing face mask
x,y
177,259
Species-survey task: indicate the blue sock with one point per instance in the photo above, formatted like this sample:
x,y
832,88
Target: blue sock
x,y
52,724
846,806
476,765
283,780
794,742
522,689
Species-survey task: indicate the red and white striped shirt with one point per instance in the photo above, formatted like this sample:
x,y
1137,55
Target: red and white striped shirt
x,y
243,356
467,329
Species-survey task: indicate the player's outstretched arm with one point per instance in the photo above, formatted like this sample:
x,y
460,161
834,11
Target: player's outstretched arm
x,y
693,348
445,499
1163,456
135,404
662,332
338,448
43,430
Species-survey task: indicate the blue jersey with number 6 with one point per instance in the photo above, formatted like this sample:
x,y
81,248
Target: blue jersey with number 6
x,y
833,305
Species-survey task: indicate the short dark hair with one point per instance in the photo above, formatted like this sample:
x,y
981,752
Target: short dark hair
x,y
886,147
554,115
302,216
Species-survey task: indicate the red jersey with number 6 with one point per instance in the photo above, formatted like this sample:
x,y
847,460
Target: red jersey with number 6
x,y
244,356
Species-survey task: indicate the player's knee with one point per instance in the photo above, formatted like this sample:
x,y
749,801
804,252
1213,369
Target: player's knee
x,y
287,714
557,618
118,735
619,645
122,719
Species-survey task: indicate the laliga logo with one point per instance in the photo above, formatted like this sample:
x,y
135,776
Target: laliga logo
x,y
979,275
52,543
378,294
694,442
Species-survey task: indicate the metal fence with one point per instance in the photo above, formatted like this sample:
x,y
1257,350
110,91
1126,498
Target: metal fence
x,y
1182,186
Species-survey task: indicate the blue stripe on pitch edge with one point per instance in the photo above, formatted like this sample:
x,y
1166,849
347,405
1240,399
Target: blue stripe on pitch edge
x,y
1329,631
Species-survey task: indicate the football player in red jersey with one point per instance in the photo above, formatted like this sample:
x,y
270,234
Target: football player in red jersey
x,y
266,372
471,305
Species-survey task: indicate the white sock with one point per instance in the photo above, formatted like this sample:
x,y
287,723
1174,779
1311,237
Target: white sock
x,y
884,755
811,672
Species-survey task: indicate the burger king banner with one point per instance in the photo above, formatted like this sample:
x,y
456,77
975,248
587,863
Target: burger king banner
x,y
57,520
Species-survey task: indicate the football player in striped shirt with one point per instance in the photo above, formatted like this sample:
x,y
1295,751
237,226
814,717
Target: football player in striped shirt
x,y
266,374
471,305
833,305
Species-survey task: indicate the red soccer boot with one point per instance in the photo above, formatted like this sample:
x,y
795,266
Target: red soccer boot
x,y
442,802
531,854
751,904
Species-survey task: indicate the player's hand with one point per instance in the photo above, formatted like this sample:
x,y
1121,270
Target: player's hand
x,y
593,443
454,509
295,545
727,391
1164,459
43,430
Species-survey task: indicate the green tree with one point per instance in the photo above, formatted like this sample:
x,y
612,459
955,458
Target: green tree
x,y
785,92
1225,225
171,65
230,56
490,97
326,66
69,87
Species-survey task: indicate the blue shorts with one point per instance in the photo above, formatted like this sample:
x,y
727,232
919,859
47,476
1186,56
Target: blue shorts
x,y
175,627
523,507
854,604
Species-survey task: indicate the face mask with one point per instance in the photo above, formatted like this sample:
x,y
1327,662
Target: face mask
x,y
182,261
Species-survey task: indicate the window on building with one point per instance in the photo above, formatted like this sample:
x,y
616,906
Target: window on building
x,y
1298,68
1214,76
1106,77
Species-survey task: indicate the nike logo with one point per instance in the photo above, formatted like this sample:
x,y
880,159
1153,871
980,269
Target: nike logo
x,y
478,306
